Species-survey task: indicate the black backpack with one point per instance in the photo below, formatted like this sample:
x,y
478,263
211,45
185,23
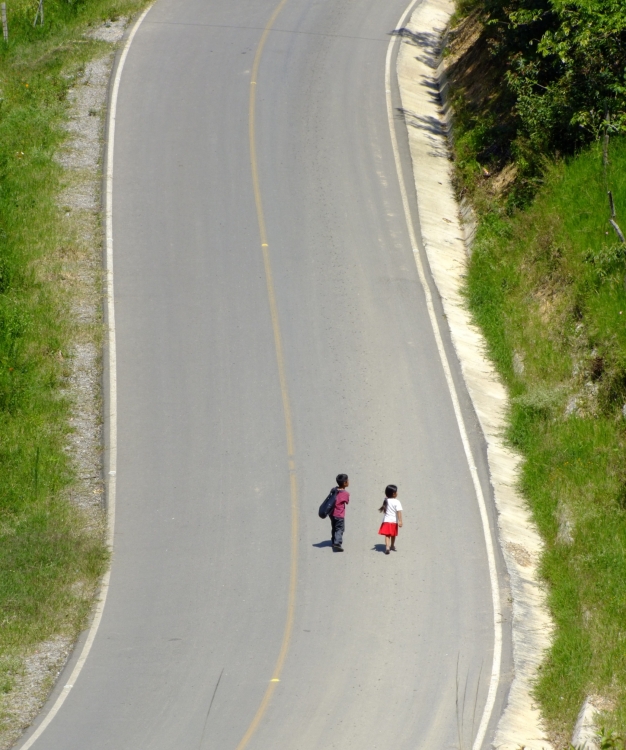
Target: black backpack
x,y
327,507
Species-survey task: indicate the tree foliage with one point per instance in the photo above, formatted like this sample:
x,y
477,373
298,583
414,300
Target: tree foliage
x,y
565,67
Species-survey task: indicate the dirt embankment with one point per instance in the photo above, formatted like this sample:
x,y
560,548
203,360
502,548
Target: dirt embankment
x,y
484,159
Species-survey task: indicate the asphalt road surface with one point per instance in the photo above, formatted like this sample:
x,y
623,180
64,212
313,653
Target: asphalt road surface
x,y
385,651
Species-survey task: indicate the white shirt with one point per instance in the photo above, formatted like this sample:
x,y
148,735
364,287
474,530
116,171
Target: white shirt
x,y
391,514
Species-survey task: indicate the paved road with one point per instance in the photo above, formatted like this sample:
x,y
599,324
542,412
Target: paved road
x,y
381,647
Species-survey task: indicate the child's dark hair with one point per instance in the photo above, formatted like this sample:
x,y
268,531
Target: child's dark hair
x,y
390,491
341,480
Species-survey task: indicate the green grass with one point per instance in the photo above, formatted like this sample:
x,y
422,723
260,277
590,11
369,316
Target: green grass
x,y
51,556
547,286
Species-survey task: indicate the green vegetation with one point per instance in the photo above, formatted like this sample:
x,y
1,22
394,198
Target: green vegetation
x,y
611,741
539,92
51,555
547,286
542,78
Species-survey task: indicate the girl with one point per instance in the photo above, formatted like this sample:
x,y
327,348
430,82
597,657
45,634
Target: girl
x,y
393,517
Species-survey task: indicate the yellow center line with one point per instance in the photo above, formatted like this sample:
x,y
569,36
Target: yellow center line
x,y
280,361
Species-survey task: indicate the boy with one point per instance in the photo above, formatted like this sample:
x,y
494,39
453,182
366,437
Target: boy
x,y
338,514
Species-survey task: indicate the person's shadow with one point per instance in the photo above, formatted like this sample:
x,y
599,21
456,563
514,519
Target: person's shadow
x,y
326,543
378,548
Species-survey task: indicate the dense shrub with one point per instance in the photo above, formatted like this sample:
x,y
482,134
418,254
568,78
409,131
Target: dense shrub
x,y
564,81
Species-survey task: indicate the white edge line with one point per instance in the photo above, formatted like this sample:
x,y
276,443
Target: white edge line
x,y
112,415
493,573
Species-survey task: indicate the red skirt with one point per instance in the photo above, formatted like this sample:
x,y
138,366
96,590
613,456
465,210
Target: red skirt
x,y
388,529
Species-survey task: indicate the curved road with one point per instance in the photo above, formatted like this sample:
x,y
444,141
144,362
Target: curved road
x,y
384,652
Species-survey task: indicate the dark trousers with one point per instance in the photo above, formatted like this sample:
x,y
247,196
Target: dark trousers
x,y
338,524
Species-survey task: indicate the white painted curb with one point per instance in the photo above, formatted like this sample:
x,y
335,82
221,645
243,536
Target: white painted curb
x,y
442,234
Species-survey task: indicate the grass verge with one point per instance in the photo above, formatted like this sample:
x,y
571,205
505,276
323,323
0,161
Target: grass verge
x,y
52,552
547,287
